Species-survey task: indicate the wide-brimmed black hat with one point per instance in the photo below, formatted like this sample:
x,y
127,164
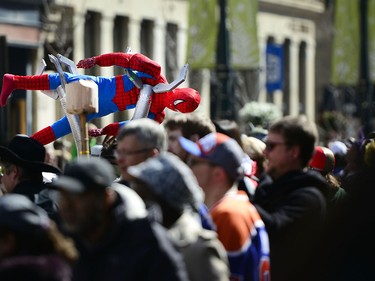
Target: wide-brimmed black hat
x,y
27,153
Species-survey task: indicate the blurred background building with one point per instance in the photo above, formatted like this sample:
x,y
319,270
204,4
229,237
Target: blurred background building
x,y
280,52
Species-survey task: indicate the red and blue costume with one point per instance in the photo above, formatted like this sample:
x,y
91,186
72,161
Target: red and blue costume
x,y
115,93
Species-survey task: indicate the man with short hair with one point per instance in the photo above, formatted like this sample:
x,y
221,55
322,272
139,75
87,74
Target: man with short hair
x,y
192,126
109,224
137,141
290,199
216,162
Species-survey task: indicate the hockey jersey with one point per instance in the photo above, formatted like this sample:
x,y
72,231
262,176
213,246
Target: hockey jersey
x,y
243,234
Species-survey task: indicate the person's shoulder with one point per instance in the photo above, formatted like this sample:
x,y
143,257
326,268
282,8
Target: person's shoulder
x,y
236,210
129,202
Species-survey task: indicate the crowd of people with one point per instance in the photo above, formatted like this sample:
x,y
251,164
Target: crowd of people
x,y
191,199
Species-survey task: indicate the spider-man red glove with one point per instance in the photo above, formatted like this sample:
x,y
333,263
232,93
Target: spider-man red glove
x,y
135,62
111,130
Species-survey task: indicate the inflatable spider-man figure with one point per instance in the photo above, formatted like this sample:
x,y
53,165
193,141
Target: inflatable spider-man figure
x,y
115,93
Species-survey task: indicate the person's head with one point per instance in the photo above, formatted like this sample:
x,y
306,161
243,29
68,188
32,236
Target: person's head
x,y
216,162
340,150
137,141
323,160
229,128
169,182
191,126
255,149
107,152
23,159
25,229
85,197
290,145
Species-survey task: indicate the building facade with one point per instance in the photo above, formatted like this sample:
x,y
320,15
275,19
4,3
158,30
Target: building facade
x,y
157,28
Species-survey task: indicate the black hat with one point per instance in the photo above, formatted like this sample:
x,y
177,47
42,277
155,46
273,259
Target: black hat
x,y
19,214
85,174
27,153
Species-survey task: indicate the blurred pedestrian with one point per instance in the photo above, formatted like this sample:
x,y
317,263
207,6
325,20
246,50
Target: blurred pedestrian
x,y
167,181
109,224
31,247
216,162
324,162
291,199
23,162
137,141
248,182
192,126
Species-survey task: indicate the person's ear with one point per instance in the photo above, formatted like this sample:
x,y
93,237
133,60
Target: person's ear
x,y
295,151
219,173
15,171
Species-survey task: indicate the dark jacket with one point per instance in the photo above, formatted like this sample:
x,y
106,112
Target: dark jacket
x,y
350,243
293,209
29,188
133,249
30,267
41,195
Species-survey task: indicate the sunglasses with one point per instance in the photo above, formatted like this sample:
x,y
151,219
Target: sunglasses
x,y
270,145
122,153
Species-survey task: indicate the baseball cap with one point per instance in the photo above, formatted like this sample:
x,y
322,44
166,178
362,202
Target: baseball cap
x,y
219,149
338,147
171,179
323,160
84,174
19,214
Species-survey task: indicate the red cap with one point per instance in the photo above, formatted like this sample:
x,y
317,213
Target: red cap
x,y
323,160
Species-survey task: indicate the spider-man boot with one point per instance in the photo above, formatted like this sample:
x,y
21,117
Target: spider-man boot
x,y
13,82
45,135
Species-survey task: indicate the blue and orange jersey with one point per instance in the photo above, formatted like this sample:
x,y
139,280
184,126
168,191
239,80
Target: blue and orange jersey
x,y
242,232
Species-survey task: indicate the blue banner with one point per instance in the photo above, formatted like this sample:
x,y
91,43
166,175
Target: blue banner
x,y
275,67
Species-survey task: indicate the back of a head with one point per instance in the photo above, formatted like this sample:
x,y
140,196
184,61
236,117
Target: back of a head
x,y
109,146
253,147
190,124
167,176
148,132
229,128
19,214
28,224
198,124
298,130
323,160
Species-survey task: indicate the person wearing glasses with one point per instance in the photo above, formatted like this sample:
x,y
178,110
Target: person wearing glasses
x,y
290,199
216,161
110,228
137,141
